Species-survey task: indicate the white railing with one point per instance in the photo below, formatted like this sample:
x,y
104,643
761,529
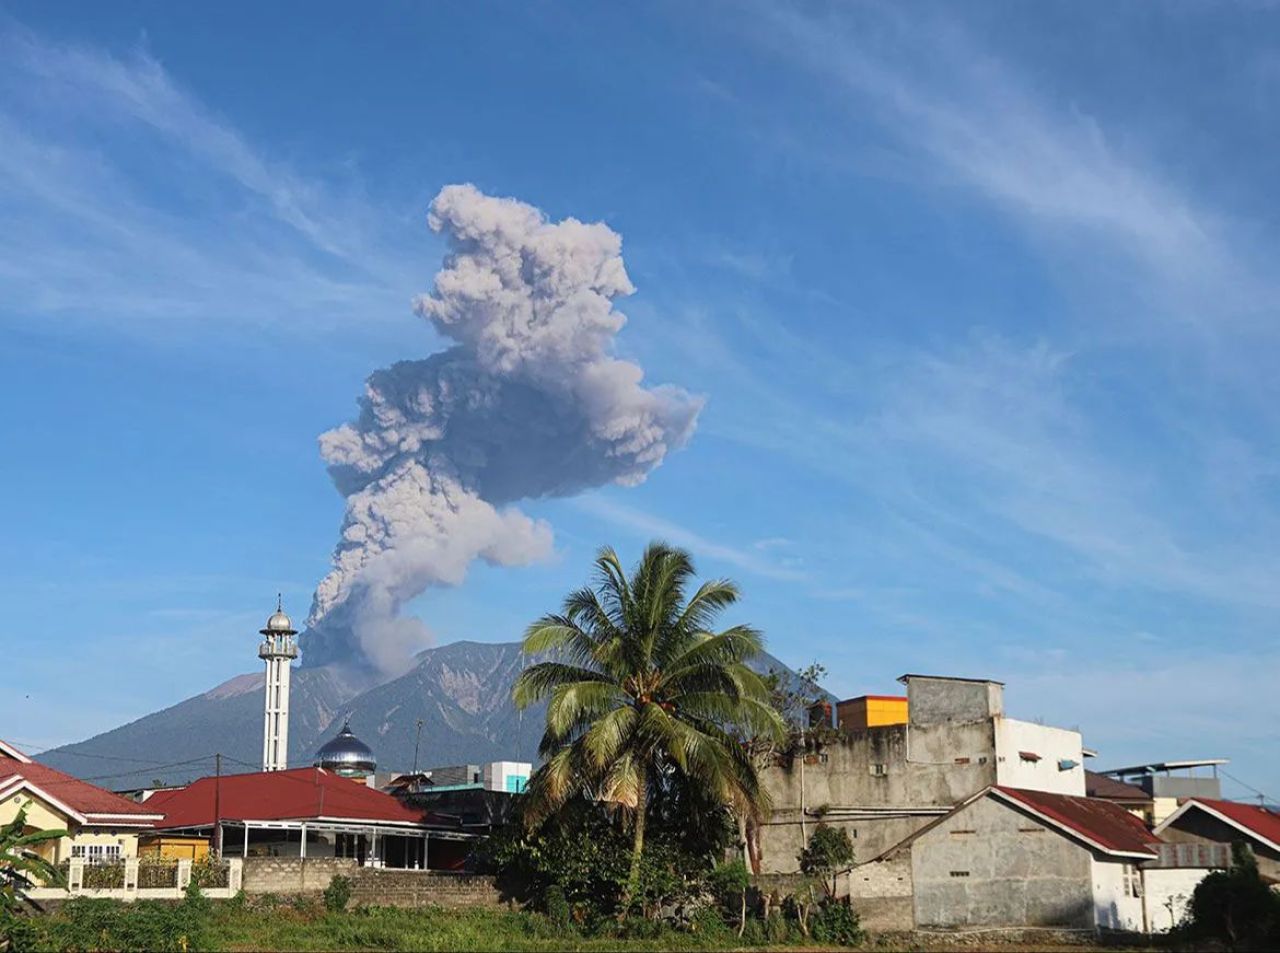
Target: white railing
x,y
130,889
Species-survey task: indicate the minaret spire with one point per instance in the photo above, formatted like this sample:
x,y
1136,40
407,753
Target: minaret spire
x,y
278,650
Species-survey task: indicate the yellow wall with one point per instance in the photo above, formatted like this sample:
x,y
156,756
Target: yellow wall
x,y
171,847
871,712
45,817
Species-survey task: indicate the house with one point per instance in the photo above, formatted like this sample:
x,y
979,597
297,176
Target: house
x,y
310,812
1006,857
1212,821
102,827
883,782
1129,796
1169,783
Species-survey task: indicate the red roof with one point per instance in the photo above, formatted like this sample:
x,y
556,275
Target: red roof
x,y
1259,821
299,794
96,805
1104,823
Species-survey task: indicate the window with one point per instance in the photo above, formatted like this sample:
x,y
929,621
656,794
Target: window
x,y
962,760
959,873
879,770
516,783
1132,881
97,853
962,833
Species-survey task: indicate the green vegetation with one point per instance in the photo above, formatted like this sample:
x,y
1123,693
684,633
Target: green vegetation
x,y
828,852
646,703
1235,909
338,894
20,869
270,924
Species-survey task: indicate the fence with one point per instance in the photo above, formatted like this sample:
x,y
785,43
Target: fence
x,y
149,880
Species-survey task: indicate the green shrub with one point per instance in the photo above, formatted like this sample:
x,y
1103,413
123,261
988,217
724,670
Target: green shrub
x,y
85,923
776,929
836,922
828,851
556,906
1235,907
337,894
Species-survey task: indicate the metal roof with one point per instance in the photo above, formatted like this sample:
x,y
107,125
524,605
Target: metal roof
x,y
1157,766
949,678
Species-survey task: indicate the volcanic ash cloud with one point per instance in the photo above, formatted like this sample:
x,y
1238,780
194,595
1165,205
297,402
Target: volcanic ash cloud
x,y
528,402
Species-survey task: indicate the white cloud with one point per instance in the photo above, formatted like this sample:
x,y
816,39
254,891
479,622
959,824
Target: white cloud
x,y
137,208
650,526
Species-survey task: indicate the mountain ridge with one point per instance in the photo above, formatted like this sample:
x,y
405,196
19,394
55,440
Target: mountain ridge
x,y
460,690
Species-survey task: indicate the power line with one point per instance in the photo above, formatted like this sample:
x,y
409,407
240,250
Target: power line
x,y
1250,787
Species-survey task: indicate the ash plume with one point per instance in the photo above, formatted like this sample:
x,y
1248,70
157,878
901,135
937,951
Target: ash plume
x,y
528,402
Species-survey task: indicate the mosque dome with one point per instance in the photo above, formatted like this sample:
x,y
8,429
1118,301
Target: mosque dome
x,y
347,755
279,623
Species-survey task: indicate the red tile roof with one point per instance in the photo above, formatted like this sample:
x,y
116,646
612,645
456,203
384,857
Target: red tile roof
x,y
98,805
1259,821
1104,823
299,794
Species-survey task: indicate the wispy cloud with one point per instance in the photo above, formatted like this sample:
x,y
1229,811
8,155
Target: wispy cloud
x,y
644,524
139,206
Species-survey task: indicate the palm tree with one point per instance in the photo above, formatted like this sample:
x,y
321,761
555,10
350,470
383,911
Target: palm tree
x,y
639,687
21,868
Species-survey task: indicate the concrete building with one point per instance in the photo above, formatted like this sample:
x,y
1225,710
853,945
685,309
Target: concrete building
x,y
278,650
1208,821
1013,858
1169,783
883,783
101,827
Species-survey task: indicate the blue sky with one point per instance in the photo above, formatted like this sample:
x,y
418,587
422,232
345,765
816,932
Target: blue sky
x,y
980,298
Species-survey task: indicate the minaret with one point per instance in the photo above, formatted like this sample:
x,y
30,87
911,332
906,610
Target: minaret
x,y
278,650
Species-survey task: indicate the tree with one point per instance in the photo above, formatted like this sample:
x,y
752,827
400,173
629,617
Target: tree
x,y
1236,907
21,868
829,851
640,689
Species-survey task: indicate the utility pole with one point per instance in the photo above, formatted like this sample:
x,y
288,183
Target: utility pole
x,y
416,742
217,804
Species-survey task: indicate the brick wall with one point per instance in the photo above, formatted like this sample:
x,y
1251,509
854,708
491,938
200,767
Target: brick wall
x,y
290,875
419,888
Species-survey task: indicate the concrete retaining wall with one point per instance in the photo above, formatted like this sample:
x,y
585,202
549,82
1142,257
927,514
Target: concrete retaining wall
x,y
291,875
420,888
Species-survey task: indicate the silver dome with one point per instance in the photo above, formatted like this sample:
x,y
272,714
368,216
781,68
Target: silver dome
x,y
279,623
346,754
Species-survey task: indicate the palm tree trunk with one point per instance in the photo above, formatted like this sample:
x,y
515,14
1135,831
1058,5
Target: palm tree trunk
x,y
637,845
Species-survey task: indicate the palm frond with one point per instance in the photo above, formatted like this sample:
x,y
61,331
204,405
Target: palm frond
x,y
538,681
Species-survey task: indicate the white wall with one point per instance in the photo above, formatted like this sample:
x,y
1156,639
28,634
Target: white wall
x,y
1113,908
497,773
1167,892
1051,744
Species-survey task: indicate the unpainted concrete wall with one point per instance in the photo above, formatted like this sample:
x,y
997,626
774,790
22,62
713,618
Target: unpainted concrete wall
x,y
948,763
420,888
290,875
881,893
992,866
936,701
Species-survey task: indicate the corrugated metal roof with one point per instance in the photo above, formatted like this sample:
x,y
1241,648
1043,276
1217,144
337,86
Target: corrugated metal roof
x,y
1261,822
81,796
298,794
1104,823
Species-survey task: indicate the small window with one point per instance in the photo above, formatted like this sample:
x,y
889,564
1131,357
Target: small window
x,y
962,833
879,770
1132,881
959,873
962,760
1030,830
